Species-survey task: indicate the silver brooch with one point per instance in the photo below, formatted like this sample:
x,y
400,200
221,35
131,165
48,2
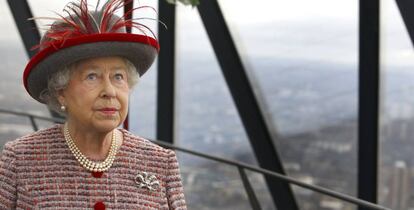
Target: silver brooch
x,y
144,180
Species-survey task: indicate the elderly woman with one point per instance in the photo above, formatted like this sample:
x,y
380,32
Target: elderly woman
x,y
85,69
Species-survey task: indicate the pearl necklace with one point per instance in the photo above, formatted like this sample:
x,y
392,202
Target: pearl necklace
x,y
84,161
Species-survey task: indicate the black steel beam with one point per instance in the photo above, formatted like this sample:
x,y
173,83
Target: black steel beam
x,y
406,9
27,29
369,77
129,5
166,73
245,100
127,8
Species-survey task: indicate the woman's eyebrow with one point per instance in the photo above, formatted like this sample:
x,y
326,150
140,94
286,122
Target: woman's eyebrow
x,y
118,67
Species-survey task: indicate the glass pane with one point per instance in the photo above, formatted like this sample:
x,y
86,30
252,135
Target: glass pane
x,y
397,113
212,185
142,111
13,96
302,57
207,120
142,107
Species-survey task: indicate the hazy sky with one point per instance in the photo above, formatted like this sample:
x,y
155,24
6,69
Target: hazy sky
x,y
269,13
277,24
244,12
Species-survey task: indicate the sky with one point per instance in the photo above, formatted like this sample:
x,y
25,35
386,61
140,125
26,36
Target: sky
x,y
277,17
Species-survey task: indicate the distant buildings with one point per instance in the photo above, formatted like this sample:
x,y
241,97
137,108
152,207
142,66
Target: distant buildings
x,y
399,194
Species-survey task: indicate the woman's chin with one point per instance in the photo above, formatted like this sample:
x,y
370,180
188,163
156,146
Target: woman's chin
x,y
106,125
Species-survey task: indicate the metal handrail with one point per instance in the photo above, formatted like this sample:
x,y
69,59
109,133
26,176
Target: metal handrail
x,y
32,117
240,166
282,177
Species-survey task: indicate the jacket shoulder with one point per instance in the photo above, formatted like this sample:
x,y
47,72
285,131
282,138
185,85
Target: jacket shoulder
x,y
139,143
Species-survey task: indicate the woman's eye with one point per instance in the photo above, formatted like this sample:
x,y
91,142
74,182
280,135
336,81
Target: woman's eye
x,y
91,76
119,76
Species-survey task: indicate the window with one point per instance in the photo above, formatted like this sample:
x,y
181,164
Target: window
x,y
13,96
302,60
397,111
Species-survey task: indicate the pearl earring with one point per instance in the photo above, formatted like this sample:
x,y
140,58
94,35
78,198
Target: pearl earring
x,y
63,108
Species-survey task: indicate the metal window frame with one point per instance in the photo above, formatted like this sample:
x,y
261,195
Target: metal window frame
x,y
246,102
28,31
368,107
128,6
166,73
27,28
405,6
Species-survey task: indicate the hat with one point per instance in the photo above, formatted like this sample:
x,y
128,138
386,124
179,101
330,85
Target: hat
x,y
87,34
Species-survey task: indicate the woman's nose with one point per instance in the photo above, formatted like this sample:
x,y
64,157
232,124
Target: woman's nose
x,y
108,89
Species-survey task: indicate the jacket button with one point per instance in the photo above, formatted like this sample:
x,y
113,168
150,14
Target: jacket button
x,y
97,174
99,206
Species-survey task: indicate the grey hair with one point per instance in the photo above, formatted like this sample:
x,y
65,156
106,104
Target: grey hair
x,y
60,80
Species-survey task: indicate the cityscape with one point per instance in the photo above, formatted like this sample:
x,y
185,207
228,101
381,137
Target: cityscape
x,y
322,153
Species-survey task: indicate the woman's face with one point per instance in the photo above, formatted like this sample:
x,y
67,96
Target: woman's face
x,y
97,94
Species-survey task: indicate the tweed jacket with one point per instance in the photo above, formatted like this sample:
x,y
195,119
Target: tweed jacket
x,y
38,171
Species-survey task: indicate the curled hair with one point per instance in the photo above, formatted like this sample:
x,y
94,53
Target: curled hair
x,y
59,81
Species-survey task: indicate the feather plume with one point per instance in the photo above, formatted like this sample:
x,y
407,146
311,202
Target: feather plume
x,y
80,20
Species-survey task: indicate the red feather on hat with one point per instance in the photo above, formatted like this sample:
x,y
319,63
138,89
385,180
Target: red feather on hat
x,y
81,21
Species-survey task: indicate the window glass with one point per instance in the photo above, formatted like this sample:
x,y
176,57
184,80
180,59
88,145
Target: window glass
x,y
397,112
208,121
302,59
143,101
13,96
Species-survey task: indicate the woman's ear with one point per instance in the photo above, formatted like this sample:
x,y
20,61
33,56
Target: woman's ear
x,y
61,97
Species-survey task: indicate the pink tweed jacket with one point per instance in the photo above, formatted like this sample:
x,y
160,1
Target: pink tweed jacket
x,y
38,171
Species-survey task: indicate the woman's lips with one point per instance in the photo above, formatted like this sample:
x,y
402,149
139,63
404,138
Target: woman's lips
x,y
108,111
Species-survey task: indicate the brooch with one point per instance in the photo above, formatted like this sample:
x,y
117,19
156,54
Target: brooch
x,y
144,180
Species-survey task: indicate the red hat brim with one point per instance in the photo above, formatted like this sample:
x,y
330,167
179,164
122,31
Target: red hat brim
x,y
140,50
